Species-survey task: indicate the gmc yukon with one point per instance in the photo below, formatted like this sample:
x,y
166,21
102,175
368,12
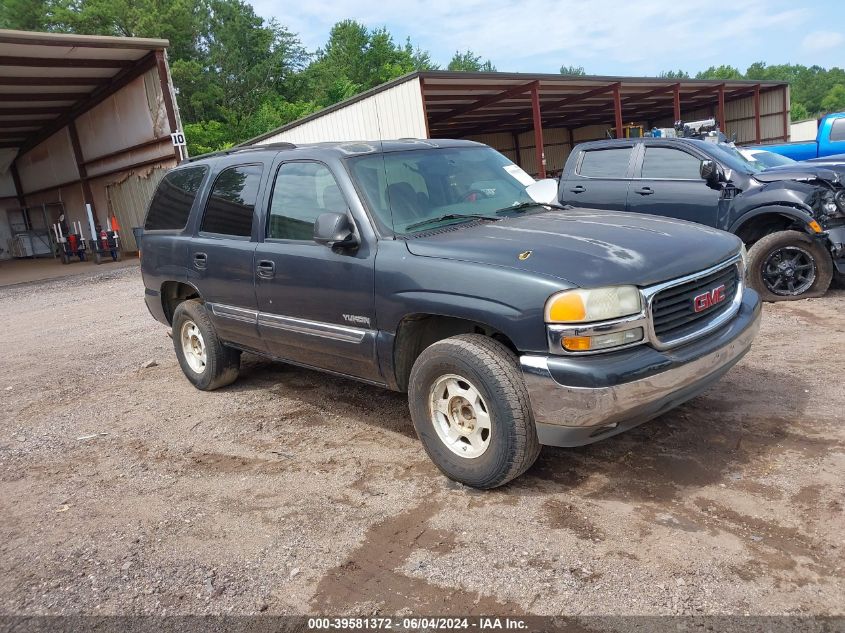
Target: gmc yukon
x,y
429,267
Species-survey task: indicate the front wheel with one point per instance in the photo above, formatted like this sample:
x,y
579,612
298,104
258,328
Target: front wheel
x,y
471,411
789,265
205,361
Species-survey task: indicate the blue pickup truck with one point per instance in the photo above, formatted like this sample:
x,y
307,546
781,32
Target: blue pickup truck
x,y
829,140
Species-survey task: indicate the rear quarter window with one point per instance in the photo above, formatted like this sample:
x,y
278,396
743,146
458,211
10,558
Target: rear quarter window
x,y
837,130
173,199
232,201
605,163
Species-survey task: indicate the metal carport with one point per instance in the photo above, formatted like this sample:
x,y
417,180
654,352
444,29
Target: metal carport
x,y
83,120
536,119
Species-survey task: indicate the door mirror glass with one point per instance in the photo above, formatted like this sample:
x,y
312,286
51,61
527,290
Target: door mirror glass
x,y
334,229
543,191
712,173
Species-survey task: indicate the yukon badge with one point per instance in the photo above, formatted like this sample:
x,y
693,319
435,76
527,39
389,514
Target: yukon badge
x,y
359,320
524,255
709,299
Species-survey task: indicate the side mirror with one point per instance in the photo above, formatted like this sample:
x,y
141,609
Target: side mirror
x,y
712,173
334,229
543,191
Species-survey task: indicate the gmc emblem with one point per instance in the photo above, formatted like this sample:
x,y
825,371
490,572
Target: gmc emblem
x,y
708,299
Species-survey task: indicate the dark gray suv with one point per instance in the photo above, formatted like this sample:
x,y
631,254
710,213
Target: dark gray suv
x,y
428,267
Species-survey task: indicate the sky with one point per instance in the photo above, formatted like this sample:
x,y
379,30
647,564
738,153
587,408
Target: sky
x,y
638,37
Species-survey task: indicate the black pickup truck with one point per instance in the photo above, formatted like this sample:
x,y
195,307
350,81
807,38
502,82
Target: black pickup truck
x,y
791,219
428,267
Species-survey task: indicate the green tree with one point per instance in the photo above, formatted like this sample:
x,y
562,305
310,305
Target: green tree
x,y
470,62
572,70
356,59
720,72
673,74
24,15
798,111
834,100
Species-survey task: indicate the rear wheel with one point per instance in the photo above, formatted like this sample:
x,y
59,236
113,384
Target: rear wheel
x,y
471,411
789,265
205,361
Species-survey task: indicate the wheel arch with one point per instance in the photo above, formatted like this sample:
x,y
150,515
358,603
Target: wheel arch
x,y
762,221
173,293
415,332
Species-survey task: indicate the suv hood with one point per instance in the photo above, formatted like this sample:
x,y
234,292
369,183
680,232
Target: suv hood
x,y
585,247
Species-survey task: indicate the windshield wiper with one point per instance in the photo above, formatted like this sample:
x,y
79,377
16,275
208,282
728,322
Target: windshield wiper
x,y
450,216
522,206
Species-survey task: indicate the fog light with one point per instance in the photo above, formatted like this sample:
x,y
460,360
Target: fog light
x,y
601,341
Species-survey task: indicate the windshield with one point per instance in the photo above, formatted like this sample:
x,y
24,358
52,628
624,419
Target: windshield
x,y
418,190
766,159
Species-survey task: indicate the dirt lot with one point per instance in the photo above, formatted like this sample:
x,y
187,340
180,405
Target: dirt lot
x,y
125,490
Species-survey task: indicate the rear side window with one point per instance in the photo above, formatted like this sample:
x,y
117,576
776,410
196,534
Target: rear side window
x,y
173,199
605,163
232,201
667,162
302,192
837,130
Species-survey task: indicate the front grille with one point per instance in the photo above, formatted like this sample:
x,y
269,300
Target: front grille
x,y
673,312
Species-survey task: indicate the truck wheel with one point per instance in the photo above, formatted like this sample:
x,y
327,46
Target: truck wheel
x,y
206,362
471,411
789,265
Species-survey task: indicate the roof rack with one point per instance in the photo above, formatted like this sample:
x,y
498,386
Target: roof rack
x,y
239,148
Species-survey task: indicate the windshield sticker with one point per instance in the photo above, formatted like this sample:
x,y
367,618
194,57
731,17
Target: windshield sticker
x,y
517,172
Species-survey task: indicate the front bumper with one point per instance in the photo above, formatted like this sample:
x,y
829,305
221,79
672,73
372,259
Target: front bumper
x,y
580,400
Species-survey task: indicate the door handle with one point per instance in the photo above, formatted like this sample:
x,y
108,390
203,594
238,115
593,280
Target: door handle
x,y
200,260
266,269
578,189
645,191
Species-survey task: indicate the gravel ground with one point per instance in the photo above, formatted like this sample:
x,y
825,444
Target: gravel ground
x,y
123,490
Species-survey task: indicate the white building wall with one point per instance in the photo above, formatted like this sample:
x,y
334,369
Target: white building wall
x,y
390,114
804,130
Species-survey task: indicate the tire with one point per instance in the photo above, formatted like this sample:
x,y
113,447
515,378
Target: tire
x,y
98,259
117,255
440,377
65,258
218,365
789,249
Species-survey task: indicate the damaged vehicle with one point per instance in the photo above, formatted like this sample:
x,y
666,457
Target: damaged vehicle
x,y
441,269
791,218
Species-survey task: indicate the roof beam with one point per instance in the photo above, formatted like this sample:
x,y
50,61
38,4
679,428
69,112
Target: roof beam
x,y
32,110
62,62
651,93
42,96
33,125
53,81
581,96
489,100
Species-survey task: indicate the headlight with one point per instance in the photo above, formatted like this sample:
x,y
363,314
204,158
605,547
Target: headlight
x,y
829,202
840,201
597,304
